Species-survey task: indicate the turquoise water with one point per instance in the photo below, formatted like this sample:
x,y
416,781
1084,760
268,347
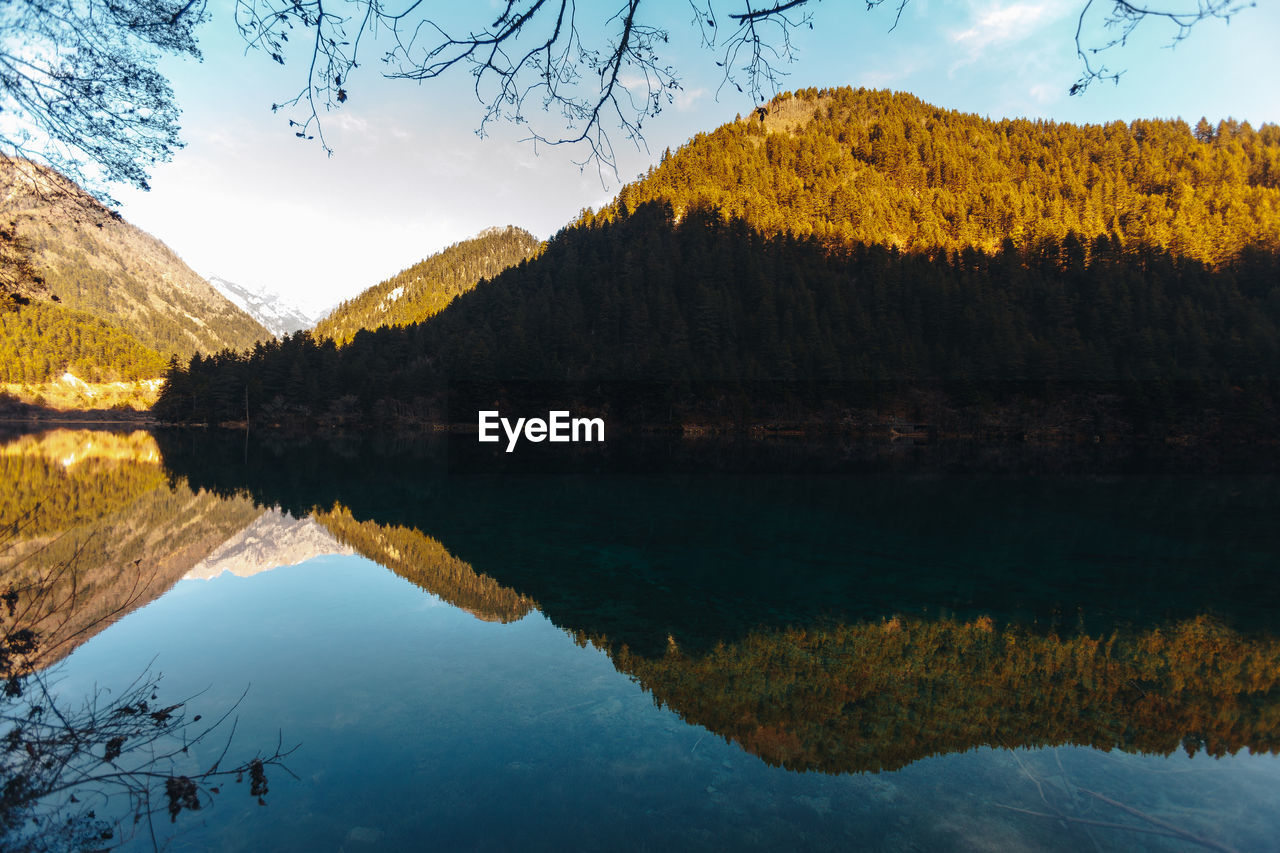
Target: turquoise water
x,y
421,725
886,660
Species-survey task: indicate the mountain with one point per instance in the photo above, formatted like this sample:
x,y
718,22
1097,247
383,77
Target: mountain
x,y
423,561
876,167
427,287
42,340
846,256
95,530
266,306
274,539
94,262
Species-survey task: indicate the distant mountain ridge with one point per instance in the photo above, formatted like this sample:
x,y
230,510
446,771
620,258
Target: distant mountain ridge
x,y
427,287
93,261
269,308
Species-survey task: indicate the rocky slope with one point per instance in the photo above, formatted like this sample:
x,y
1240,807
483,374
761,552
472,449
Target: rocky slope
x,y
93,261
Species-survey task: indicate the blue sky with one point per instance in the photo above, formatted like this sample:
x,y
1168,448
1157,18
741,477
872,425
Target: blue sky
x,y
247,201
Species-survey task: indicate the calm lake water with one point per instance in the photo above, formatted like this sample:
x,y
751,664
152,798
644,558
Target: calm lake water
x,y
889,653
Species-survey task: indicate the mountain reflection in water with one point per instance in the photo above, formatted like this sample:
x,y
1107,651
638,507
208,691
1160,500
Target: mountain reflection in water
x,y
845,623
100,503
842,622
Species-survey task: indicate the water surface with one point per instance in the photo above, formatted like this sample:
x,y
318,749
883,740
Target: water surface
x,y
887,656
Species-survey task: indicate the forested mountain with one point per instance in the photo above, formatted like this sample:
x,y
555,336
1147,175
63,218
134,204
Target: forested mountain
x,y
426,563
266,306
858,166
41,340
427,287
96,263
92,530
643,313
1140,264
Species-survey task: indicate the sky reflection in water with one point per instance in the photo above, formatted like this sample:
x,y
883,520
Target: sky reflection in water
x,y
817,625
422,725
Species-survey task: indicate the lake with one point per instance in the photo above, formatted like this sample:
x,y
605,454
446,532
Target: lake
x,y
707,645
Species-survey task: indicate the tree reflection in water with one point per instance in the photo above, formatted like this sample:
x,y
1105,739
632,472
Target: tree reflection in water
x,y
95,771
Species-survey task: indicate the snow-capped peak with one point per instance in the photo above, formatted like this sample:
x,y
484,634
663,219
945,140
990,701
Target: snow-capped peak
x,y
266,306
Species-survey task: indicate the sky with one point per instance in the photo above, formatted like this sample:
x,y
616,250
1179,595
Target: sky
x,y
247,201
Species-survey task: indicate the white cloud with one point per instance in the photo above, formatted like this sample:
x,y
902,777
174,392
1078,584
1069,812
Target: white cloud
x,y
632,82
348,123
1000,24
1044,93
687,99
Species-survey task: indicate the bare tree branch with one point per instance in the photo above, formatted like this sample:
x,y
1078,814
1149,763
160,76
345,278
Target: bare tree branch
x,y
79,88
1119,19
532,66
60,764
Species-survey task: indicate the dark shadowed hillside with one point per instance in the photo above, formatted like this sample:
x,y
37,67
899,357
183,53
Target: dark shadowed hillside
x,y
659,322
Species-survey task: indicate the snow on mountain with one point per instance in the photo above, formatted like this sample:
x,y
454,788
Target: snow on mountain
x,y
266,306
273,539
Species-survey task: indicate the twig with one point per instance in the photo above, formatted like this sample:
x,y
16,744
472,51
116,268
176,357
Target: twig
x,y
1127,826
1181,833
